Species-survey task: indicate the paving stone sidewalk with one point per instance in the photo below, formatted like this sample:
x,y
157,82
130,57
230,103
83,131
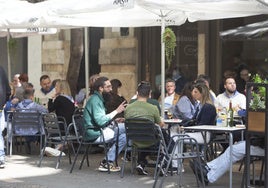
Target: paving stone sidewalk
x,y
21,171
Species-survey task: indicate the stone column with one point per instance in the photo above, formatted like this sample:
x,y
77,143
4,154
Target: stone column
x,y
202,48
35,60
56,55
118,59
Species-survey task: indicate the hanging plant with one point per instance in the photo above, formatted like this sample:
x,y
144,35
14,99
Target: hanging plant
x,y
169,38
12,44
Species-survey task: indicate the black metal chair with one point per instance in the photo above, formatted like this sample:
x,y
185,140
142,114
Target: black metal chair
x,y
56,132
179,155
79,111
143,130
253,159
80,133
24,123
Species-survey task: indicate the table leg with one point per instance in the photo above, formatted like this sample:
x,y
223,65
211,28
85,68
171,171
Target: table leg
x,y
204,135
231,159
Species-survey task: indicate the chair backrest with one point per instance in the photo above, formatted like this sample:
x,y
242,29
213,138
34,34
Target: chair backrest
x,y
26,122
51,125
79,111
78,120
140,130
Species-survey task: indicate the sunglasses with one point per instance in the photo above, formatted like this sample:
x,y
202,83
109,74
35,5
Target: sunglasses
x,y
144,83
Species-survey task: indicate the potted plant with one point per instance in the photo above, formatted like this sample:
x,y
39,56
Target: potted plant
x,y
256,95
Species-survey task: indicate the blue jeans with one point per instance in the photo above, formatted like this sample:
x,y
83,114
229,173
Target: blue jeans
x,y
112,137
222,163
2,152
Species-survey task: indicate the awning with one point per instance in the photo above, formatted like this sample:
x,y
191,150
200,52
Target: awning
x,y
250,31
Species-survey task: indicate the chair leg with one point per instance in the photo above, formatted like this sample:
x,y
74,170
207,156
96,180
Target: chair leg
x,y
69,153
42,153
58,160
157,162
134,153
106,157
87,155
166,170
241,164
200,167
59,157
243,178
41,144
41,157
84,156
262,168
123,164
11,145
253,172
196,176
75,158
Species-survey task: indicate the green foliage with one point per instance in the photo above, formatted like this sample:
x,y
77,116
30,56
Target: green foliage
x,y
169,38
258,94
12,44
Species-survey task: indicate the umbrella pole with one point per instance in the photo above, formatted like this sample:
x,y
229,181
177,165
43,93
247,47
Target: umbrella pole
x,y
8,56
86,61
162,67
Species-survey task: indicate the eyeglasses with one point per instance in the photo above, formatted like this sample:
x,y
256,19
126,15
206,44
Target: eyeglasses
x,y
144,83
108,86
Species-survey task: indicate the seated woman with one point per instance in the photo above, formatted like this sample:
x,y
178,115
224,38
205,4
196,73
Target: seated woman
x,y
185,110
113,99
206,111
186,106
62,104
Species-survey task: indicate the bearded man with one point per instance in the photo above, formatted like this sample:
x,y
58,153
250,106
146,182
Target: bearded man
x,y
238,103
95,116
230,94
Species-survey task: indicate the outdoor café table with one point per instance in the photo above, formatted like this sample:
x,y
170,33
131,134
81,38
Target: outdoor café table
x,y
176,124
172,122
213,128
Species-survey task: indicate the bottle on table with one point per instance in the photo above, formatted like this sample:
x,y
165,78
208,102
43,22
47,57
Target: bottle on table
x,y
230,115
221,117
169,114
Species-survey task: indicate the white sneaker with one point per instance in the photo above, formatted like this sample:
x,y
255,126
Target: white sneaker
x,y
174,169
2,164
104,167
53,152
182,168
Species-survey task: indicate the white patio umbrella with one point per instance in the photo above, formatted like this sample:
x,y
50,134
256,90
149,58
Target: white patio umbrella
x,y
18,14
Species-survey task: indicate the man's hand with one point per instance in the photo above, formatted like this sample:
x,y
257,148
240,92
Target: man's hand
x,y
15,101
121,107
120,120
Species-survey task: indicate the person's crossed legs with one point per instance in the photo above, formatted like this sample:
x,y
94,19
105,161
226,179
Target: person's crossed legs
x,y
217,167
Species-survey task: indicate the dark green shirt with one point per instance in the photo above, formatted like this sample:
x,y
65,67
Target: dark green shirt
x,y
140,109
151,101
